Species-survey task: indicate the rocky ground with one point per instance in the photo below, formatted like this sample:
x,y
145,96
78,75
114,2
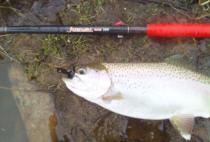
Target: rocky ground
x,y
77,119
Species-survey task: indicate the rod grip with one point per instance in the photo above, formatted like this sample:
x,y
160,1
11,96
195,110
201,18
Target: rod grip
x,y
178,30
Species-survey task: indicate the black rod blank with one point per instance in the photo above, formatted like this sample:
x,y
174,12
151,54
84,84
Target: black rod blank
x,y
73,29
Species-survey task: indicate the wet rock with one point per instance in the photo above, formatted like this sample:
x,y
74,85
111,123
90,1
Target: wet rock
x,y
111,128
83,121
35,107
201,131
30,19
47,11
146,131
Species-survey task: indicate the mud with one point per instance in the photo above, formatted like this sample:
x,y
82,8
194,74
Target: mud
x,y
78,120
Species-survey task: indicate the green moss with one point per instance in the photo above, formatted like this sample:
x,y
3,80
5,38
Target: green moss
x,y
32,71
84,12
65,45
50,46
99,6
127,17
78,45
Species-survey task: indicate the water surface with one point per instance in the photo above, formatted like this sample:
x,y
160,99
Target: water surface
x,y
11,125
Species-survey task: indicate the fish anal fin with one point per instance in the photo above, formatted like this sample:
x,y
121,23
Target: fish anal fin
x,y
184,124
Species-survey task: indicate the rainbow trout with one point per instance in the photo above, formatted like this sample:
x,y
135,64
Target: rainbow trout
x,y
153,91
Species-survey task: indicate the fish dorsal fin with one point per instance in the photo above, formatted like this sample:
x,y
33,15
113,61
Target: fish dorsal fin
x,y
184,124
181,61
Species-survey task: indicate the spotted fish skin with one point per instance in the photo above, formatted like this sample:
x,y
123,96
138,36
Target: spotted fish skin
x,y
158,91
155,69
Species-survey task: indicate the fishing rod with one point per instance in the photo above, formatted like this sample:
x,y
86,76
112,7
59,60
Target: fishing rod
x,y
152,30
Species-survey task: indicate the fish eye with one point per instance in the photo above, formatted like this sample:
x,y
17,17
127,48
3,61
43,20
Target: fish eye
x,y
81,71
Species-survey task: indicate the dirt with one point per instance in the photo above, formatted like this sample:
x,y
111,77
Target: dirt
x,y
77,119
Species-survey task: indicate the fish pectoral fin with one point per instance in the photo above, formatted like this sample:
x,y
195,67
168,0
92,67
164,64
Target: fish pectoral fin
x,y
184,124
110,97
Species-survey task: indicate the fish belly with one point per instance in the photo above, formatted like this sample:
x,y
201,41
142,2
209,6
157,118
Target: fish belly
x,y
156,99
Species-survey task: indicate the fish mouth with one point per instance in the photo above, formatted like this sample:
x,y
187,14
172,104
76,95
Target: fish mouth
x,y
70,73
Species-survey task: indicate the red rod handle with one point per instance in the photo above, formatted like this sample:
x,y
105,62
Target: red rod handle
x,y
178,30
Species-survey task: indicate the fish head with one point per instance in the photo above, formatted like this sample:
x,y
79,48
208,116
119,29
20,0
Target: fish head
x,y
89,82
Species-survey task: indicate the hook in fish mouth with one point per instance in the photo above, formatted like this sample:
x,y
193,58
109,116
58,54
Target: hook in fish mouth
x,y
70,73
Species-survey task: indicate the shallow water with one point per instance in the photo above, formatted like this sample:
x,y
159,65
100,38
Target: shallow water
x,y
11,124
